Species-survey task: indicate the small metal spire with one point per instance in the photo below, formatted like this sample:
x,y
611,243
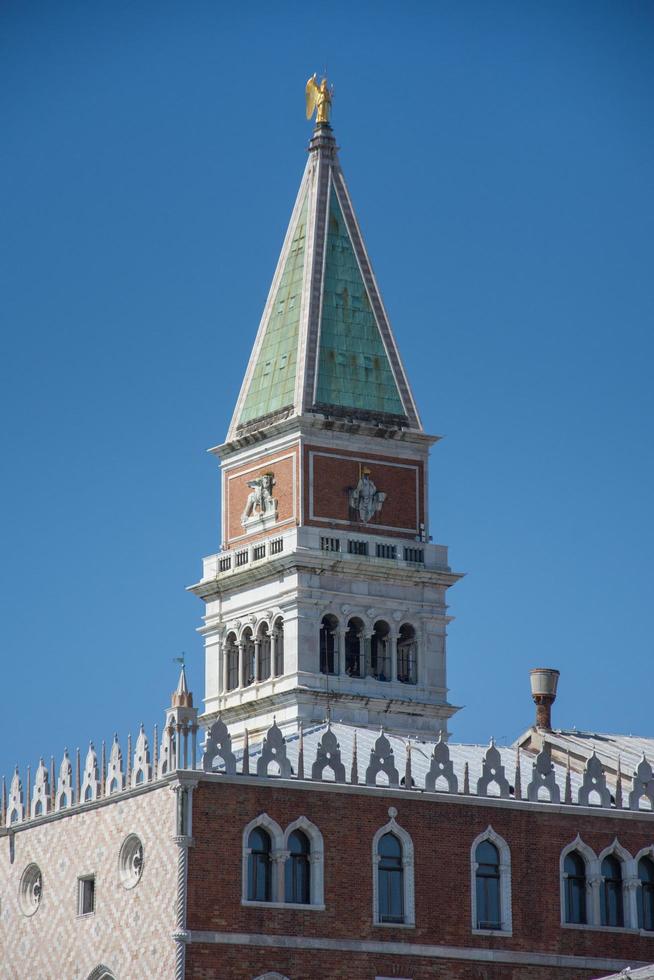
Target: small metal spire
x,y
354,775
246,754
466,779
300,754
618,786
567,795
517,781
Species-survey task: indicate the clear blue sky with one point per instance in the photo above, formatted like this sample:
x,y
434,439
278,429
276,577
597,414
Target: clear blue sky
x,y
501,160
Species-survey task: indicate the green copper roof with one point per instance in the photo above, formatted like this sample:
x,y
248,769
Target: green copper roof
x,y
273,382
353,369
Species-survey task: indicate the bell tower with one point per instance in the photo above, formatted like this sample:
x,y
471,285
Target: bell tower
x,y
327,598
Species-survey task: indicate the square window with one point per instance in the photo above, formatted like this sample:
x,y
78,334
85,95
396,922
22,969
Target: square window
x,y
86,895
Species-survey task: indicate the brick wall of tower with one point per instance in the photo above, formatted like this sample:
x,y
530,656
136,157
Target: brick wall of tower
x,y
330,474
442,831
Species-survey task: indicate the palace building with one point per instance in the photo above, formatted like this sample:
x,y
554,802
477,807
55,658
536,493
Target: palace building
x,y
316,821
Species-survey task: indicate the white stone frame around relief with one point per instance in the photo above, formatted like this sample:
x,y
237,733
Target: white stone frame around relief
x,y
316,859
277,857
506,912
408,876
371,462
592,882
226,502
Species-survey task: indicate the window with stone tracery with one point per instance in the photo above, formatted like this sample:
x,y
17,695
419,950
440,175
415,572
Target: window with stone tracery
x,y
407,655
328,645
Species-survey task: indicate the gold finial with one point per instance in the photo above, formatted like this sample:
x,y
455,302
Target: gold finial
x,y
319,99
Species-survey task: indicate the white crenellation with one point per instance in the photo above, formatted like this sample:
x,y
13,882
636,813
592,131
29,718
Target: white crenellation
x,y
328,756
115,781
382,760
16,808
142,768
273,752
90,789
41,799
218,743
543,778
64,797
594,784
643,785
441,768
493,774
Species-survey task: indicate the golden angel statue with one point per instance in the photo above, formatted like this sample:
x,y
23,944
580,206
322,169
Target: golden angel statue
x,y
319,99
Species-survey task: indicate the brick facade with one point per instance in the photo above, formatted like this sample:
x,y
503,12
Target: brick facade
x,y
284,466
442,831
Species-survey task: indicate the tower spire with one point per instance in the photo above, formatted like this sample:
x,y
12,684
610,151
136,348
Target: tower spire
x,y
324,345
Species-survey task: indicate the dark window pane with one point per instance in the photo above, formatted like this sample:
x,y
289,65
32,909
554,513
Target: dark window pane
x,y
574,872
611,895
645,894
259,877
488,886
390,879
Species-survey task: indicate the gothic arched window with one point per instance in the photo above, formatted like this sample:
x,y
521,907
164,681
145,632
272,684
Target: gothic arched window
x,y
278,639
646,894
407,655
328,650
353,644
380,652
390,877
263,637
611,892
574,877
487,884
298,869
231,663
259,866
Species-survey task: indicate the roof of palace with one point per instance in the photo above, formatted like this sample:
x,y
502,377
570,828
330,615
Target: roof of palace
x,y
324,343
609,748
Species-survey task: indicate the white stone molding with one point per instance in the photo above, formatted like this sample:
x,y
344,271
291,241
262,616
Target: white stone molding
x,y
316,856
41,799
492,771
142,768
543,777
594,781
273,750
218,743
506,912
90,783
382,760
271,976
115,775
408,870
629,880
64,794
642,785
593,879
328,756
16,808
183,839
278,855
441,767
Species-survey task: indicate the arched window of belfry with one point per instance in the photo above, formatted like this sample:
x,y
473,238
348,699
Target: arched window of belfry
x,y
263,637
248,657
407,655
328,645
354,647
379,665
278,644
231,662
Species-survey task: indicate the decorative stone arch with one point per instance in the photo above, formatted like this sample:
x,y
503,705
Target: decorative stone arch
x,y
316,856
101,973
408,877
592,879
506,913
277,855
409,676
271,976
629,880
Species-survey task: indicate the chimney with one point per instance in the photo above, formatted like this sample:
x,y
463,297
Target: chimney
x,y
543,690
